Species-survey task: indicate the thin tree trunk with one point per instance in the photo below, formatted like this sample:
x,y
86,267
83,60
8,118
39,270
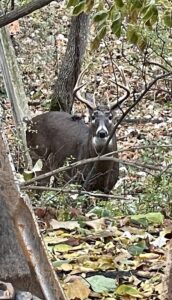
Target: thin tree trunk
x,y
71,64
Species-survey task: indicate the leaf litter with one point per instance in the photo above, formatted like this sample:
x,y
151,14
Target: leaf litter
x,y
112,259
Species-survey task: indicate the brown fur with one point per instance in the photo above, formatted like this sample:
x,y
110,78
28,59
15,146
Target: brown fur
x,y
56,136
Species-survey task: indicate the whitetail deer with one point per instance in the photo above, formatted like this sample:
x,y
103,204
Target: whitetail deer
x,y
56,136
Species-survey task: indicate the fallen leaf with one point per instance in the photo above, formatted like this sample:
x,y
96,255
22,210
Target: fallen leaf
x,y
101,284
153,218
14,27
127,290
68,225
149,256
159,242
98,224
62,248
77,290
38,166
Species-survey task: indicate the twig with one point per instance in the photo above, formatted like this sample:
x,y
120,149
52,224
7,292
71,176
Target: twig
x,y
157,64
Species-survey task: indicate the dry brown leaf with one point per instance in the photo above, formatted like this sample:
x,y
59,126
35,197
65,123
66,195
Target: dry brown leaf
x,y
14,27
68,225
77,290
98,224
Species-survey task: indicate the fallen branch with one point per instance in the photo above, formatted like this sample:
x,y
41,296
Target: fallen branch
x,y
138,165
69,191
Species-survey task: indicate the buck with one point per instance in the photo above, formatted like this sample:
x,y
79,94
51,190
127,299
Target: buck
x,y
56,136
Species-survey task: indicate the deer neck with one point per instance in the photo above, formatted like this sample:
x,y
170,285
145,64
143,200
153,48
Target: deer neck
x,y
99,143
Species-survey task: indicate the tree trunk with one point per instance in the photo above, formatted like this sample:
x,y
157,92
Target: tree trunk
x,y
71,64
23,258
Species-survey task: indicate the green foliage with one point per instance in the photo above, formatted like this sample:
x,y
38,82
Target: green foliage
x,y
116,26
168,18
100,35
129,18
100,16
158,192
79,8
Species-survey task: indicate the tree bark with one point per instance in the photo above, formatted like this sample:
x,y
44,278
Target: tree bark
x,y
23,258
167,278
62,98
14,89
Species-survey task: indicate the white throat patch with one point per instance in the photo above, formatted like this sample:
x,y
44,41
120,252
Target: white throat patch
x,y
100,142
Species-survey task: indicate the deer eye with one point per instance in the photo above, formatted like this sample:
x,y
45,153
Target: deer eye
x,y
93,117
110,117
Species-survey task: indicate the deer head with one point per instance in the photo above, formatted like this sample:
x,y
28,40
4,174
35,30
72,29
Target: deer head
x,y
100,116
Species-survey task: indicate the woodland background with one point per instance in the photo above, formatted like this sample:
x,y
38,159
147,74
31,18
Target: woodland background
x,y
121,237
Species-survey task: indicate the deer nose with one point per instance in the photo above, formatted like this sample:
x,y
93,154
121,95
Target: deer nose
x,y
102,134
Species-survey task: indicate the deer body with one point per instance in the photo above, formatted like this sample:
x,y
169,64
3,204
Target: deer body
x,y
57,136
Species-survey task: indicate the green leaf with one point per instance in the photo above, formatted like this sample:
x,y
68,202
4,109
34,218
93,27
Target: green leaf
x,y
127,290
101,284
151,14
142,42
136,250
58,263
101,15
152,218
141,221
116,26
100,212
72,3
137,4
62,248
96,42
132,34
89,5
155,218
111,12
168,18
27,175
119,3
79,8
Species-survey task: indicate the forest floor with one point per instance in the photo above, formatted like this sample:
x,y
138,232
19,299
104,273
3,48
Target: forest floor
x,y
100,248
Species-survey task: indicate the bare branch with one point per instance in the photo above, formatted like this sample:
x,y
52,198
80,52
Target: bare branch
x,y
157,64
69,191
162,76
22,11
135,164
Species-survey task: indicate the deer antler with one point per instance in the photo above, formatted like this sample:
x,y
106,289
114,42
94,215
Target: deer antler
x,y
114,104
78,87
